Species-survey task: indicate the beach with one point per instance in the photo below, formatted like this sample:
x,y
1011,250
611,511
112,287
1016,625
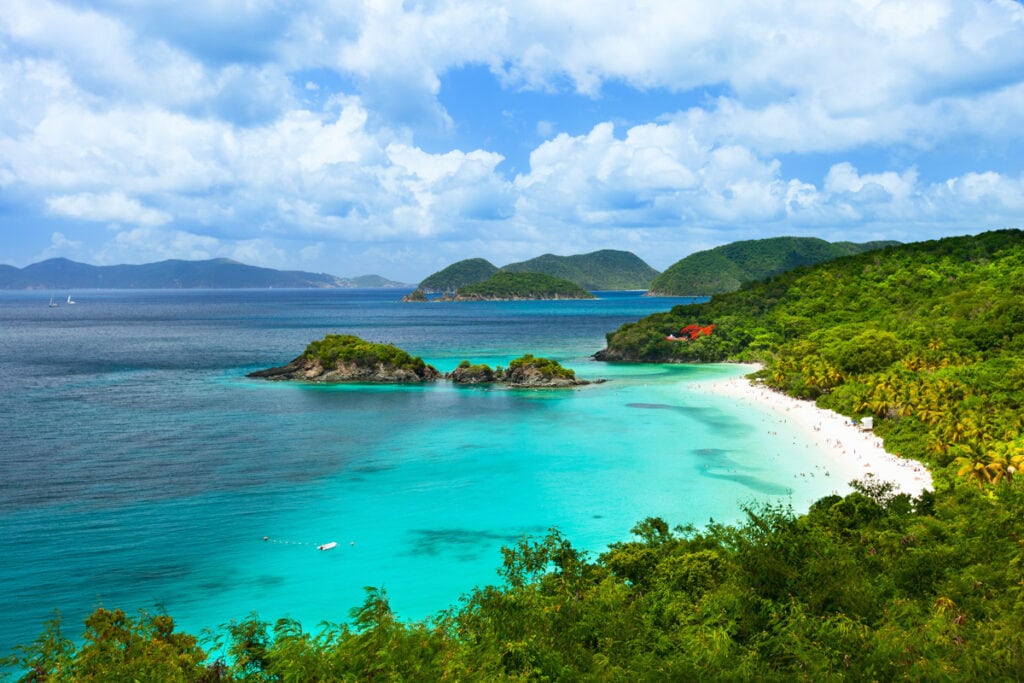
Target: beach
x,y
851,453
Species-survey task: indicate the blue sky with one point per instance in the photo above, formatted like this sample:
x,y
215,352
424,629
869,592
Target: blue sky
x,y
396,137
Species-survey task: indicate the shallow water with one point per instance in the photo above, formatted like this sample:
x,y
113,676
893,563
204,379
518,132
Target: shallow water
x,y
142,469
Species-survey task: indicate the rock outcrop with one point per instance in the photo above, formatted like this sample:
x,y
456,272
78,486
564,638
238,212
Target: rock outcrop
x,y
380,373
346,358
524,372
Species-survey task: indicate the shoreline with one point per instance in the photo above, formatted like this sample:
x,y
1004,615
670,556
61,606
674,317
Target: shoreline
x,y
856,452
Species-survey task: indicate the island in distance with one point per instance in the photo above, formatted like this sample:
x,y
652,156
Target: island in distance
x,y
220,273
504,286
345,358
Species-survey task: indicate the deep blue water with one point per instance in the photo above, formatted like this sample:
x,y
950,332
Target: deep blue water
x,y
141,469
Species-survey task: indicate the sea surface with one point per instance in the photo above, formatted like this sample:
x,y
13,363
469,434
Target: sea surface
x,y
141,469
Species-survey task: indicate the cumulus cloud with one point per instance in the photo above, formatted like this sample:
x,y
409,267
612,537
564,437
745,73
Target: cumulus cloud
x,y
111,207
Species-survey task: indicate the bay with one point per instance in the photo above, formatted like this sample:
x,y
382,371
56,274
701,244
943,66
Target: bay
x,y
141,469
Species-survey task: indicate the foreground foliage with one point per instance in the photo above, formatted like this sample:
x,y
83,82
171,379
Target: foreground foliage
x,y
869,586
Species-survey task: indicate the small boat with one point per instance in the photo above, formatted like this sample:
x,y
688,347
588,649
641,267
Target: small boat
x,y
327,546
53,304
69,299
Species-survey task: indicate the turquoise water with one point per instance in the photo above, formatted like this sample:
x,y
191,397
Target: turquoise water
x,y
142,469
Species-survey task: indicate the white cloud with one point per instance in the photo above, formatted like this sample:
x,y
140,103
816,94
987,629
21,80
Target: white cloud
x,y
111,207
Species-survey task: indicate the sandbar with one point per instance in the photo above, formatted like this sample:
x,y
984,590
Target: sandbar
x,y
856,452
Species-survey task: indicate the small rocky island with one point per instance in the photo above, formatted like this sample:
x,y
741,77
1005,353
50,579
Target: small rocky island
x,y
347,358
341,358
526,371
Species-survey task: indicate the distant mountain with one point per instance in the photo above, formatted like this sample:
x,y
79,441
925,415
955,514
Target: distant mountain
x,y
599,270
725,268
459,274
60,273
605,269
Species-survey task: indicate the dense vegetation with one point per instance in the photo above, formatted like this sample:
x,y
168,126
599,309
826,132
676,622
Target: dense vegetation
x,y
346,348
523,371
548,367
724,269
600,270
926,337
459,274
866,587
504,285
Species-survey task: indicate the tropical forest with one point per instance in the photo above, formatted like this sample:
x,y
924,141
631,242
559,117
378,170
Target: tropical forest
x,y
925,338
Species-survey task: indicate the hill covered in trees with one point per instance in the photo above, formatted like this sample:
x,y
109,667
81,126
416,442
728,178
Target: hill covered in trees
x,y
607,269
459,274
503,286
928,338
725,268
60,273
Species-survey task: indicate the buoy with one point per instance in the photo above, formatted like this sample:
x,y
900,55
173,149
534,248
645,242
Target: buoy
x,y
327,546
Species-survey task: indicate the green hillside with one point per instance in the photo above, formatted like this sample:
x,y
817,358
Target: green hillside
x,y
458,274
928,338
600,270
725,268
504,286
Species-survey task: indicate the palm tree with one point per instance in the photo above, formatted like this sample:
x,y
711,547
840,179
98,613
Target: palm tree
x,y
972,463
1004,460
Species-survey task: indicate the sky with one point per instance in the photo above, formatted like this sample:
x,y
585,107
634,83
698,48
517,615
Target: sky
x,y
385,137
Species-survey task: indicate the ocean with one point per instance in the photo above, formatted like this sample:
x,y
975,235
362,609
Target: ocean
x,y
141,469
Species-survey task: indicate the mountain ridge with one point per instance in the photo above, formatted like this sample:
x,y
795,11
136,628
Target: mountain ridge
x,y
218,273
725,268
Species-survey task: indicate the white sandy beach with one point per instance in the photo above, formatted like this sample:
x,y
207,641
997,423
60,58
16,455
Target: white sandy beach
x,y
855,452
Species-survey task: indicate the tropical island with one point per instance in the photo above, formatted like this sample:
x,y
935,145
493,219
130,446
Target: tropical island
x,y
925,338
347,358
506,286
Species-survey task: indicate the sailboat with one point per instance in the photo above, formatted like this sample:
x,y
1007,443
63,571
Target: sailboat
x,y
69,299
53,304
